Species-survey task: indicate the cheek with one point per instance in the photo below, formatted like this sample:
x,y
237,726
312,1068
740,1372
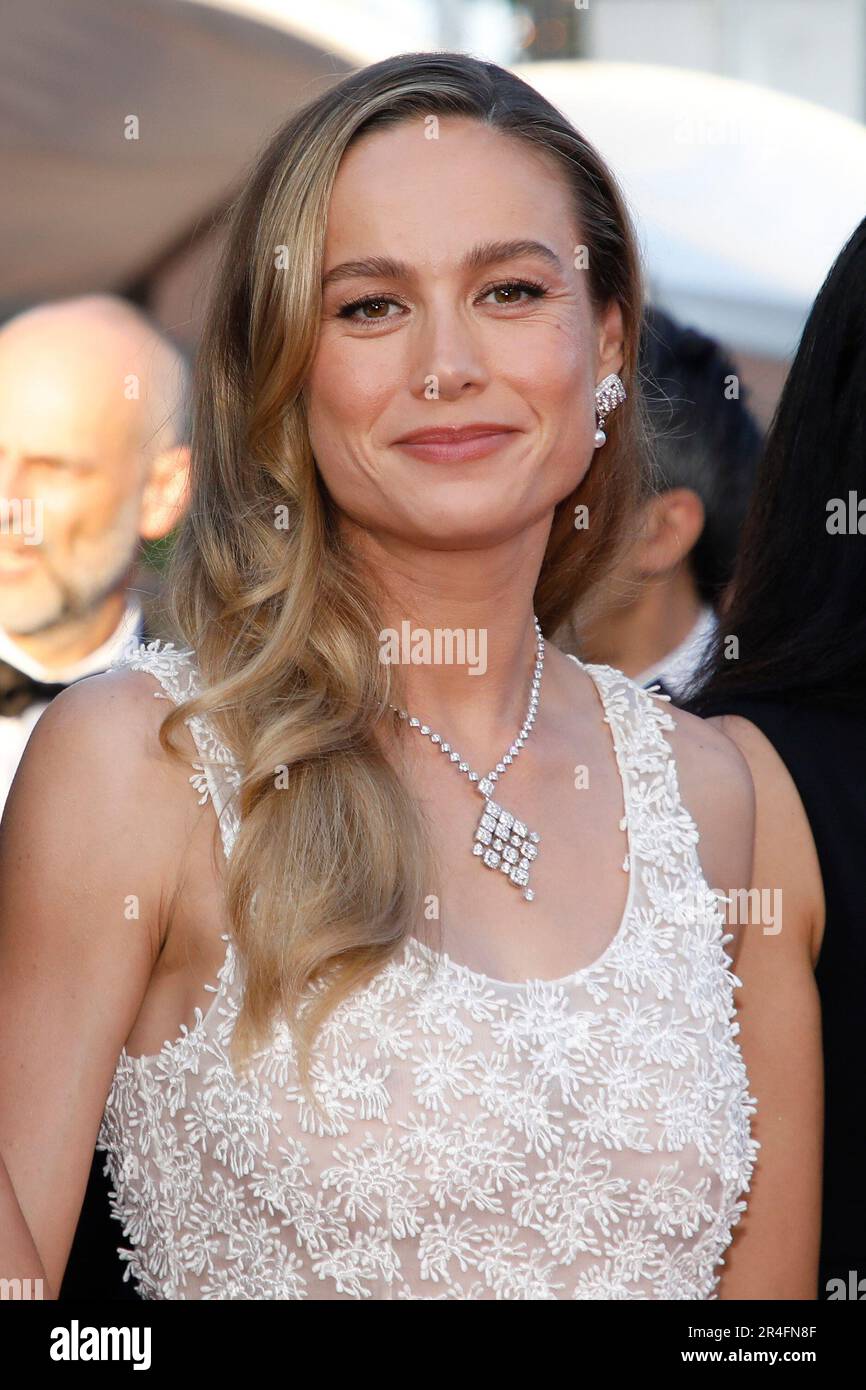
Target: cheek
x,y
347,371
339,392
556,377
347,392
64,503
89,510
555,361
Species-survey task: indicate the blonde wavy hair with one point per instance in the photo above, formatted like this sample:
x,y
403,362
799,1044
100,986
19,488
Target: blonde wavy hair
x,y
332,862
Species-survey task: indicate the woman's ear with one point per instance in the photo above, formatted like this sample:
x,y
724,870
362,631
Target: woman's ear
x,y
611,354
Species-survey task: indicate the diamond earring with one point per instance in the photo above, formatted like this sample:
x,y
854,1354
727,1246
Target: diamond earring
x,y
608,395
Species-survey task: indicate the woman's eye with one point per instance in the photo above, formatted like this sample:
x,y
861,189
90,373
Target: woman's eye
x,y
374,308
375,302
513,288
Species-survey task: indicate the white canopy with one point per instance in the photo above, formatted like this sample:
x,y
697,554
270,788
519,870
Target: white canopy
x,y
743,196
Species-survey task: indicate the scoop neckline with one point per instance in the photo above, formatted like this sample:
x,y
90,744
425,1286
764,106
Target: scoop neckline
x,y
414,943
190,1033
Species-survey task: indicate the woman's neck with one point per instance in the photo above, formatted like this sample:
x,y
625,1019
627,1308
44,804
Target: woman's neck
x,y
458,628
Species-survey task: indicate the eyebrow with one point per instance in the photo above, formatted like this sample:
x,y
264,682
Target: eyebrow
x,y
484,254
65,460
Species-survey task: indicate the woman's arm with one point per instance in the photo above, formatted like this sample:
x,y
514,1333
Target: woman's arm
x,y
85,861
774,1253
19,1258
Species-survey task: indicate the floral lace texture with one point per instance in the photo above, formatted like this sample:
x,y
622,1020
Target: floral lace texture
x,y
585,1138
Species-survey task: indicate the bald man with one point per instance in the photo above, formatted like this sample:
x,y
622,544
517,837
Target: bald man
x,y
93,460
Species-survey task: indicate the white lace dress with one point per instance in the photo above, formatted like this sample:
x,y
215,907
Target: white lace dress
x,y
580,1138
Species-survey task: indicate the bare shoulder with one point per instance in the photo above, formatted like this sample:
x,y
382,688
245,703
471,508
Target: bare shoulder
x,y
711,766
774,786
769,772
94,771
785,852
110,722
718,791
117,704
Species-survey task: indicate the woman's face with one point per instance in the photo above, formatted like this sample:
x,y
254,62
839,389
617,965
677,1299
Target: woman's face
x,y
451,338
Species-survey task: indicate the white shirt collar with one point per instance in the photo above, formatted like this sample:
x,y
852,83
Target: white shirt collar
x,y
678,668
98,660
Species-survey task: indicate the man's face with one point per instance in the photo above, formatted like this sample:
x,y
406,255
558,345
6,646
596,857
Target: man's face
x,y
70,477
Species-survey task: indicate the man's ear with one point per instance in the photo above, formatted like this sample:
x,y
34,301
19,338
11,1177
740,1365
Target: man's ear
x,y
673,522
611,355
165,494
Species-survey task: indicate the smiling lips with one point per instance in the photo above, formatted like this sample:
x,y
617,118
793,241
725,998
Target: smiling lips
x,y
453,444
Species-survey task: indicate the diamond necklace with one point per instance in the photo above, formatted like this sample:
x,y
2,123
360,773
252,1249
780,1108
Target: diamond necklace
x,y
501,841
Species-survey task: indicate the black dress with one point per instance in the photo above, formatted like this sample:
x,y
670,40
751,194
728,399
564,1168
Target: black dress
x,y
825,753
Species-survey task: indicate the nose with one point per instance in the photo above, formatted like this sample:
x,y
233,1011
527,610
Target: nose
x,y
12,487
448,353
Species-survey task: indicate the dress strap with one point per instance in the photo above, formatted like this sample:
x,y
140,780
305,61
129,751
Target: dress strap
x,y
662,834
217,774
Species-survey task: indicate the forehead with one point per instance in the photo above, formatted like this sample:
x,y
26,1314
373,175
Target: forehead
x,y
420,198
52,399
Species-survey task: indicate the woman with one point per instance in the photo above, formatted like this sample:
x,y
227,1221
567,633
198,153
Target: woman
x,y
546,1098
795,702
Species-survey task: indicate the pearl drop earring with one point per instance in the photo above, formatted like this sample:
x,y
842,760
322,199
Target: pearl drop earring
x,y
608,395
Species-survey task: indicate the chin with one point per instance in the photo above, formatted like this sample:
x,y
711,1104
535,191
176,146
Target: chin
x,y
461,529
22,619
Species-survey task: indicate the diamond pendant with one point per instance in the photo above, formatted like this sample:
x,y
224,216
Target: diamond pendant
x,y
503,842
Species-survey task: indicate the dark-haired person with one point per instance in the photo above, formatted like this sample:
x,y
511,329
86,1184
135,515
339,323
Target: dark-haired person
x,y
794,699
654,616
